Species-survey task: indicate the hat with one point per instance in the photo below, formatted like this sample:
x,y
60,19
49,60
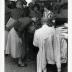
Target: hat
x,y
23,1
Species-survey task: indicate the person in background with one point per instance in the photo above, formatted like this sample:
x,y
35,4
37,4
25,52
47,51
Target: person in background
x,y
12,4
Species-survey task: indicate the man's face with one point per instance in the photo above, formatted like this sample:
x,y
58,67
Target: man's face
x,y
19,5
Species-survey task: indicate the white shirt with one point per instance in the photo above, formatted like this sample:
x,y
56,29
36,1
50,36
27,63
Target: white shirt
x,y
50,45
45,32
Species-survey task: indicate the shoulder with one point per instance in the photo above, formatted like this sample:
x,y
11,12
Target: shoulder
x,y
39,30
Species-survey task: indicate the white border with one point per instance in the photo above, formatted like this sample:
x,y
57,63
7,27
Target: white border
x,y
1,35
70,36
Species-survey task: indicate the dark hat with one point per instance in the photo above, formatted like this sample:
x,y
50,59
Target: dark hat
x,y
23,1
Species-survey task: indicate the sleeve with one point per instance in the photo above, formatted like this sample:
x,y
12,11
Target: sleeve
x,y
35,40
57,51
10,23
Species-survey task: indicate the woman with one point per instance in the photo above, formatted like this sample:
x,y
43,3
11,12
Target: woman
x,y
14,46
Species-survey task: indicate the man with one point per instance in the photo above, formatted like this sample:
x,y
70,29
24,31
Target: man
x,y
44,40
34,12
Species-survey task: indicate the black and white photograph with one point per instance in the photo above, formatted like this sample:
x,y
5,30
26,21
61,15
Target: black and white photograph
x,y
35,35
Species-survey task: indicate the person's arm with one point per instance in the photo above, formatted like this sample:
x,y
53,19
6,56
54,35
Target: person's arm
x,y
10,23
35,40
57,54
